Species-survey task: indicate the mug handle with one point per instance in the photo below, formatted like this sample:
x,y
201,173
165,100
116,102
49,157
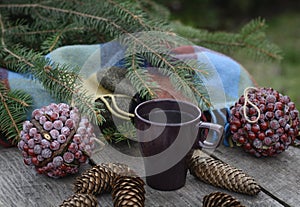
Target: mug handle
x,y
216,127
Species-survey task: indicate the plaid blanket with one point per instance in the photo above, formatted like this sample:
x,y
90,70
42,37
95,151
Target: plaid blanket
x,y
225,85
225,73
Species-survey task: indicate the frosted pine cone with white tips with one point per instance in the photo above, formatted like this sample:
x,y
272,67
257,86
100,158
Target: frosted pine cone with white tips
x,y
51,140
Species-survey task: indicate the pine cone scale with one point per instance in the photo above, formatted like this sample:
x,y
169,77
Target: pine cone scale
x,y
80,200
220,174
126,188
219,199
128,191
97,180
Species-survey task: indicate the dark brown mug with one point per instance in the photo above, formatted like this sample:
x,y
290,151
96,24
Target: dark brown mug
x,y
167,131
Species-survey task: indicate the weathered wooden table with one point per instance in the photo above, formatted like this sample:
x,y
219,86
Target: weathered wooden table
x,y
278,176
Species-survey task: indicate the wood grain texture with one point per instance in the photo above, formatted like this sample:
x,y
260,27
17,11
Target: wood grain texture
x,y
21,186
278,175
190,195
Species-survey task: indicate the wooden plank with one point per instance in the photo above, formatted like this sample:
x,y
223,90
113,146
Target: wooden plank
x,y
278,175
190,195
22,186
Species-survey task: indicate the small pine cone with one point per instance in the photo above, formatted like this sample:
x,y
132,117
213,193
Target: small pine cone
x,y
218,199
220,174
95,181
128,191
80,200
100,178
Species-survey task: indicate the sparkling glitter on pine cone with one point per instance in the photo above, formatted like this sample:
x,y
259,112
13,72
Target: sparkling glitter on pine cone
x,y
273,131
220,174
80,200
100,178
57,140
128,191
219,199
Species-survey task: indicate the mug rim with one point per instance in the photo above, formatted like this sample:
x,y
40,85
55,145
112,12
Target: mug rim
x,y
169,100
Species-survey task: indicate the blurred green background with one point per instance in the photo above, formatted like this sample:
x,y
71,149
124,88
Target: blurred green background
x,y
282,18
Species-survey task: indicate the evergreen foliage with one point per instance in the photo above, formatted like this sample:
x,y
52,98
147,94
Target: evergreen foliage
x,y
13,108
125,132
251,39
29,29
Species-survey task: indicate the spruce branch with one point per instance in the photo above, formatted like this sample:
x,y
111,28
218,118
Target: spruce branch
x,y
251,39
154,9
139,77
158,53
13,108
5,49
51,31
52,42
90,17
9,115
41,26
19,97
203,97
138,41
65,84
134,17
164,64
156,59
62,82
124,132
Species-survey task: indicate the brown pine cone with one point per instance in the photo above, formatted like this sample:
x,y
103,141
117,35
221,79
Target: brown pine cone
x,y
220,174
80,200
95,181
128,191
218,199
99,179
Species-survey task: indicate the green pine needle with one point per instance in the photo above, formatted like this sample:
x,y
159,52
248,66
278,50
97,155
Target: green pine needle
x,y
31,29
124,132
13,108
251,39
